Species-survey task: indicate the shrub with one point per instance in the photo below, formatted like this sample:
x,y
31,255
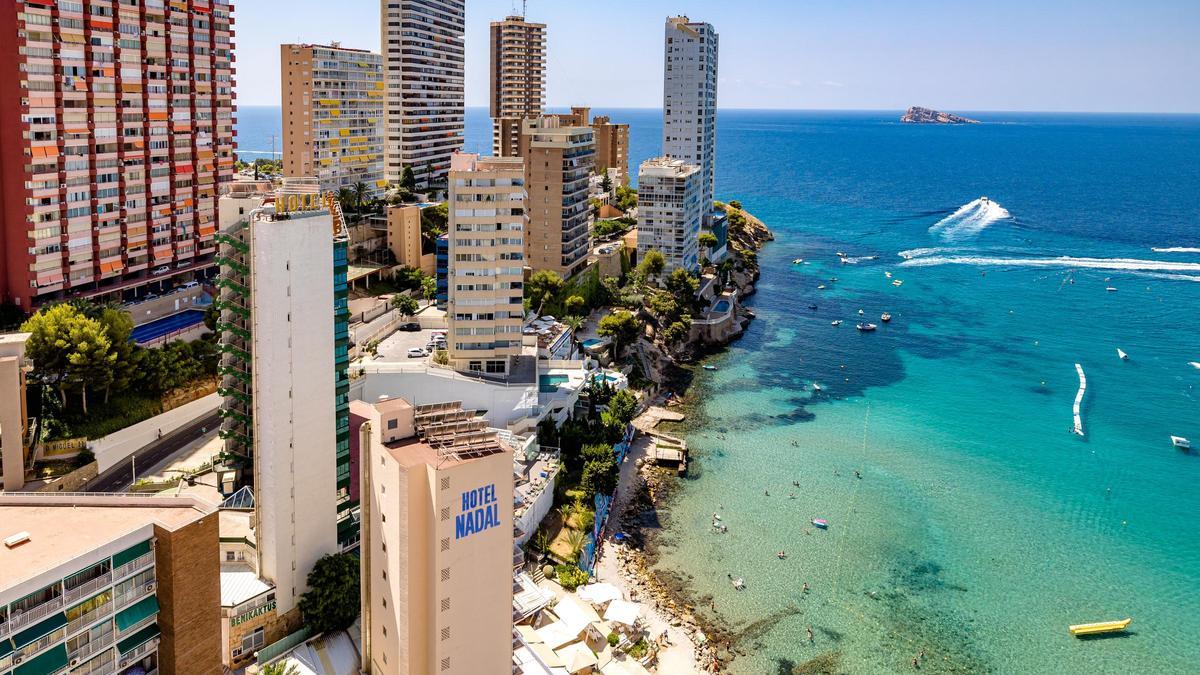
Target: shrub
x,y
570,577
332,600
613,639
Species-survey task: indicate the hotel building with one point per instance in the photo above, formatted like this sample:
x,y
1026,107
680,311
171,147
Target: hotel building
x,y
558,163
14,414
612,146
670,210
486,262
438,552
690,100
333,116
423,62
518,82
118,130
129,587
286,418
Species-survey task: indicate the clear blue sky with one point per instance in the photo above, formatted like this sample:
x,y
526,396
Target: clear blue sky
x,y
1045,55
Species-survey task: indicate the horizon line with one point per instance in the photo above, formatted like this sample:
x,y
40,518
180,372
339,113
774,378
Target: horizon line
x,y
848,110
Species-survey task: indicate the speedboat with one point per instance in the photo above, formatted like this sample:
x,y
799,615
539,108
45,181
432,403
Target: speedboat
x,y
860,312
821,287
1081,629
1194,364
1111,289
867,327
835,322
812,307
885,317
897,283
1122,354
738,583
797,261
821,523
708,367
816,387
983,199
841,254
887,274
1181,442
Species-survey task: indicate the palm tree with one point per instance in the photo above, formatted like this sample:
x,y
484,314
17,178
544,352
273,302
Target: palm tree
x,y
576,540
565,511
574,323
362,194
345,197
279,668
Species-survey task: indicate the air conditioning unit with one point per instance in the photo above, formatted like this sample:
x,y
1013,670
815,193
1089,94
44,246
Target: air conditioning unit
x,y
17,658
151,587
73,663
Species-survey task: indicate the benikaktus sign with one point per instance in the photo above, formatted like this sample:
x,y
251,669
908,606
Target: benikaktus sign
x,y
480,511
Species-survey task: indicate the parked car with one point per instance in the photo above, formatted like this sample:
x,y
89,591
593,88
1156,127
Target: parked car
x,y
410,327
416,353
161,269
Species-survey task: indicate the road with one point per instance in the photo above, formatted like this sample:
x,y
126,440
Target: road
x,y
120,477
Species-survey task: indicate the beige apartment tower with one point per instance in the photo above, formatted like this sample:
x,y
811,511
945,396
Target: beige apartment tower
x,y
558,163
333,115
437,548
485,272
612,140
518,79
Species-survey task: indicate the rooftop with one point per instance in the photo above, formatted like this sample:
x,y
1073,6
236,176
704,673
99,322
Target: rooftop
x,y
666,166
95,520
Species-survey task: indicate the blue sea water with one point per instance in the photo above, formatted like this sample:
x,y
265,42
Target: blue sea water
x,y
981,527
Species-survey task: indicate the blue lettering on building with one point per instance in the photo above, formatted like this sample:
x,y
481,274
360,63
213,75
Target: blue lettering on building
x,y
480,511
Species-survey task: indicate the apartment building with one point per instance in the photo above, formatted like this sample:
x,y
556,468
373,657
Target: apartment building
x,y
690,99
130,587
333,116
14,413
670,211
438,552
558,163
612,140
518,79
486,258
285,416
423,63
118,131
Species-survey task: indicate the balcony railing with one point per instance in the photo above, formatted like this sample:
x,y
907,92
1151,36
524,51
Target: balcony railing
x,y
135,655
127,599
89,618
32,615
94,646
144,560
73,594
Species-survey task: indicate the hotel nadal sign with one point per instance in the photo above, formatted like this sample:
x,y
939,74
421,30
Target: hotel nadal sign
x,y
480,511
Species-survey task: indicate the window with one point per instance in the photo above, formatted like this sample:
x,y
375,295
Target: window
x,y
229,557
393,423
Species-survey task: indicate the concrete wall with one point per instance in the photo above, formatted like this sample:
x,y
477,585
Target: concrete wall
x,y
118,446
188,571
533,516
166,305
72,482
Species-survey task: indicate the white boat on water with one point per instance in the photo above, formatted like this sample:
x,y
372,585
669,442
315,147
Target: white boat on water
x,y
867,327
1194,364
1181,442
887,274
816,387
738,583
1122,354
897,283
1111,289
797,261
821,287
835,322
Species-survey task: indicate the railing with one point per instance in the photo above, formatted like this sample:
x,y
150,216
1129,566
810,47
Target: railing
x,y
127,599
72,594
137,626
32,615
92,647
89,618
144,560
142,650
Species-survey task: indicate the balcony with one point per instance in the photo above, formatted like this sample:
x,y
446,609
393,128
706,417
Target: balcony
x,y
88,588
94,646
135,565
31,616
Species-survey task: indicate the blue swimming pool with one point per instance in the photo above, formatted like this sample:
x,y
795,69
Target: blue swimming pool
x,y
548,384
592,342
721,307
166,325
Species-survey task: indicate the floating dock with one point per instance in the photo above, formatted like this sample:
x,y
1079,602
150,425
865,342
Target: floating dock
x,y
1078,428
1082,629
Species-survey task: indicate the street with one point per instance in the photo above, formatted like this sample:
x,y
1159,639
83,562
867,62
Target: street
x,y
120,477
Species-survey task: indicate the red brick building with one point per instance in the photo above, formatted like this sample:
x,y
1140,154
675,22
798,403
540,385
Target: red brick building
x,y
117,130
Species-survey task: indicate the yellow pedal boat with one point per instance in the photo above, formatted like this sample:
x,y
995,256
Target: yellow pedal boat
x,y
1081,629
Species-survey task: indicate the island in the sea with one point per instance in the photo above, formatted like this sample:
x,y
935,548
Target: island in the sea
x,y
919,115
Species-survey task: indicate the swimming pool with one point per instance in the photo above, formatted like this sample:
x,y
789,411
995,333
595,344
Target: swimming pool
x,y
548,384
592,342
166,325
721,307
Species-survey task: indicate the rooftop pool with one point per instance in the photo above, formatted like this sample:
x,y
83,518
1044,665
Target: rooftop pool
x,y
721,307
548,384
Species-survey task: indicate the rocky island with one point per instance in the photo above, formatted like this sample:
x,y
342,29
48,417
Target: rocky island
x,y
919,115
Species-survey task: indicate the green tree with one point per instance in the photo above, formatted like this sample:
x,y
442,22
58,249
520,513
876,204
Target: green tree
x,y
49,345
408,180
406,304
623,406
683,285
332,600
279,668
118,325
574,305
653,264
362,195
345,197
92,360
677,332
541,288
708,240
664,306
622,326
576,540
429,289
600,475
605,181
736,204
434,220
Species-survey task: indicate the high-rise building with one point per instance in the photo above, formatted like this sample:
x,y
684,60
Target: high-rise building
x,y
438,551
612,146
14,413
286,418
670,210
690,99
558,163
109,584
333,116
518,82
486,260
117,124
423,62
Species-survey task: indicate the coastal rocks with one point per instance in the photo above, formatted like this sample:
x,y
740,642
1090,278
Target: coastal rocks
x,y
919,115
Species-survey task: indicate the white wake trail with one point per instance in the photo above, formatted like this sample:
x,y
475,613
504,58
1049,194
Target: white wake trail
x,y
1130,264
1176,249
970,219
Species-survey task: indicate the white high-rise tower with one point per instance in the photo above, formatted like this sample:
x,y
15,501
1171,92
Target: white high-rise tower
x,y
690,100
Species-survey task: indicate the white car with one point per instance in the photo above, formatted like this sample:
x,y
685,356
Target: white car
x,y
416,353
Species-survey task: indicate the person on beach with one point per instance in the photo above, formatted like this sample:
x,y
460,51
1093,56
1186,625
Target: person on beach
x,y
767,493
791,495
804,588
916,664
857,474
810,635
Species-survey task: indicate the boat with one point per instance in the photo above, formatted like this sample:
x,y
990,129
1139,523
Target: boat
x,y
708,367
812,307
1081,629
821,287
897,283
887,274
885,317
835,322
1122,354
821,523
867,327
832,279
816,387
1111,289
738,583
1194,364
1181,442
797,261
860,312
984,199
841,254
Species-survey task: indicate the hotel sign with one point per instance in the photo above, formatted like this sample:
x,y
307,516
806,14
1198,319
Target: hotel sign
x,y
480,511
298,202
257,611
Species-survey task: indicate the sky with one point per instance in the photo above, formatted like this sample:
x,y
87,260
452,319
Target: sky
x,y
957,55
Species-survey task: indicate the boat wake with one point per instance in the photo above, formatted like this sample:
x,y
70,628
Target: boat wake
x,y
970,219
1130,264
1176,249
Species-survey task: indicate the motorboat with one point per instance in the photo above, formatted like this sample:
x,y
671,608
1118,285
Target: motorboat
x,y
867,327
861,312
1194,364
1082,629
832,279
885,317
798,261
738,583
841,254
1121,353
821,287
887,274
1111,289
897,283
985,200
835,322
816,387
821,523
708,367
1181,443
812,307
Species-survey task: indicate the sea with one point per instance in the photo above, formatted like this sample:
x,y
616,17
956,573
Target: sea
x,y
968,525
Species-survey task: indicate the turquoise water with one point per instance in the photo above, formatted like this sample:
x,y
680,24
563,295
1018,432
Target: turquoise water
x,y
980,527
548,384
591,342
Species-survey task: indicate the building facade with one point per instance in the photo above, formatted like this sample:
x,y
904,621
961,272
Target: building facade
x,y
558,163
438,549
486,258
423,65
333,116
612,146
518,79
14,413
131,587
286,424
690,99
118,131
670,210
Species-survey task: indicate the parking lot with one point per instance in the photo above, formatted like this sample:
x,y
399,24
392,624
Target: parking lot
x,y
395,346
